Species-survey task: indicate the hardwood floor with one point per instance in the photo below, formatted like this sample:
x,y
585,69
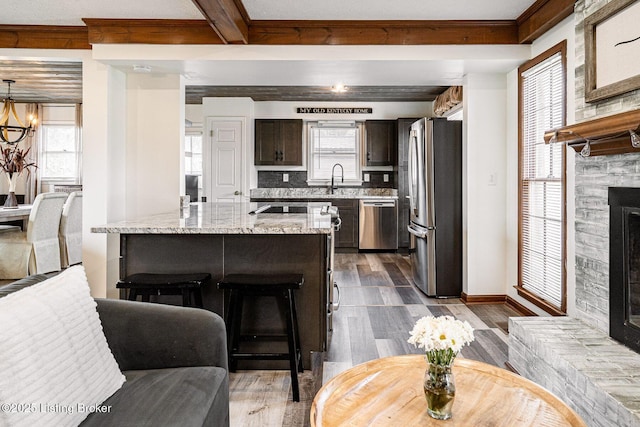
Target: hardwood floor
x,y
378,308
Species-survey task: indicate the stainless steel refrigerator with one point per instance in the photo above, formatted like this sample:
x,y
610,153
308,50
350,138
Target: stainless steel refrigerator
x,y
435,195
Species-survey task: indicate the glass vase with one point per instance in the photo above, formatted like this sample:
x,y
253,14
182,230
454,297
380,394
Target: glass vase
x,y
439,390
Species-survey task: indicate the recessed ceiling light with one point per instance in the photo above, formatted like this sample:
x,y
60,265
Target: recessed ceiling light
x,y
339,88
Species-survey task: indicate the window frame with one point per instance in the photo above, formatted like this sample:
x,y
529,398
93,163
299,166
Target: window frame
x,y
527,294
311,180
42,143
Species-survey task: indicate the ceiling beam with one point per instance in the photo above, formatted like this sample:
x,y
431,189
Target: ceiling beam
x,y
150,31
541,17
232,25
382,32
43,37
226,19
194,94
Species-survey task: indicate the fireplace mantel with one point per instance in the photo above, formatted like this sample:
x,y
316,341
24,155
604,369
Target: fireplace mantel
x,y
606,135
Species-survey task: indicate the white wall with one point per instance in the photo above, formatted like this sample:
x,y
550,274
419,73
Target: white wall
x,y
132,158
104,166
155,143
484,183
193,113
563,31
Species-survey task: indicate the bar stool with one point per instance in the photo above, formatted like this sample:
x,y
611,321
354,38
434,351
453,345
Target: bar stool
x,y
147,284
280,286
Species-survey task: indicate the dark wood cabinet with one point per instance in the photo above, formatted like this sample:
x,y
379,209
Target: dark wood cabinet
x,y
347,237
381,143
278,142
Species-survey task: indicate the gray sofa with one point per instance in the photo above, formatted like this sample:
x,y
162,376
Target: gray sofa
x,y
174,360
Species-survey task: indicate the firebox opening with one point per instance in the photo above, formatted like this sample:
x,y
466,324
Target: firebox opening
x,y
633,269
624,266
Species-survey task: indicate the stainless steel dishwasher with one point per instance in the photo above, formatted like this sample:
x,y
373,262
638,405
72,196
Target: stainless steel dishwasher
x,y
378,224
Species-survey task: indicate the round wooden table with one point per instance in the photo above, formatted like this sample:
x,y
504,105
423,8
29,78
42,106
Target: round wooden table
x,y
388,392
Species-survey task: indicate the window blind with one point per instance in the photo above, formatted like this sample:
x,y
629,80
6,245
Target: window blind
x,y
542,182
331,144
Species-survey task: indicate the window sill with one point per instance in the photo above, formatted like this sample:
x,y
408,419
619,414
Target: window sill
x,y
539,302
323,183
59,181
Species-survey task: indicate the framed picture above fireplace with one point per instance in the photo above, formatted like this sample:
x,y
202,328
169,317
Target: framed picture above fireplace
x,y
612,48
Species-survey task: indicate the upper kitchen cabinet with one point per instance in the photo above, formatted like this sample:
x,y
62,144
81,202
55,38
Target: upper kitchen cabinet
x,y
381,143
278,142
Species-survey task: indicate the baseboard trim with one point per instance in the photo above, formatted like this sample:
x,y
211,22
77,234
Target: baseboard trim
x,y
482,299
519,307
497,299
508,366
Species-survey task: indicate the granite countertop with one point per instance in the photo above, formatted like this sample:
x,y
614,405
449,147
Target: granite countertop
x,y
224,218
323,193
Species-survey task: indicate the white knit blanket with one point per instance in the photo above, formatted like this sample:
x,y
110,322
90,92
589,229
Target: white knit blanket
x,y
55,364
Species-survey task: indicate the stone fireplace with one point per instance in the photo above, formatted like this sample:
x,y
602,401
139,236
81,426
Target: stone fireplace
x,y
574,356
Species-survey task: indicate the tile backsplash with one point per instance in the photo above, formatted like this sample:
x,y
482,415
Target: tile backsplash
x,y
298,179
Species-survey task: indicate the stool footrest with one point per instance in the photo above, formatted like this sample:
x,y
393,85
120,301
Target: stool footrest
x,y
256,282
261,356
263,337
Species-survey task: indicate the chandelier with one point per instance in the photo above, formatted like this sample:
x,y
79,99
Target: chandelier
x,y
12,134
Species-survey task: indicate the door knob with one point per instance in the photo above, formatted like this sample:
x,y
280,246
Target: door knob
x,y
237,193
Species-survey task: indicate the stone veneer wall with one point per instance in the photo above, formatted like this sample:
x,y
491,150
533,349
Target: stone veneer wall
x,y
574,357
593,176
592,373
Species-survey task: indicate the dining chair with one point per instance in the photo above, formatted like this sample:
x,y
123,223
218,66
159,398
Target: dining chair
x,y
70,233
38,249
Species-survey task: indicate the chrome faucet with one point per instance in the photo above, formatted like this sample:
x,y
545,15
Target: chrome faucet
x,y
333,186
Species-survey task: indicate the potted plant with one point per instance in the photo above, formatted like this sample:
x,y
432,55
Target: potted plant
x,y
442,338
13,161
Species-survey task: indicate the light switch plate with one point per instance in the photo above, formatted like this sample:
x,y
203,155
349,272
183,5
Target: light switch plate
x,y
367,177
385,177
285,177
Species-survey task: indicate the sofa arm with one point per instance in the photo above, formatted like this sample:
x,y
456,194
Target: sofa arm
x,y
153,336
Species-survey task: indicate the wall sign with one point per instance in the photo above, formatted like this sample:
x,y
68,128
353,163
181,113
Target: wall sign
x,y
334,110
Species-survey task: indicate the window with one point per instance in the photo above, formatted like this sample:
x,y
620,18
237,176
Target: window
x,y
542,182
193,154
193,163
332,143
60,147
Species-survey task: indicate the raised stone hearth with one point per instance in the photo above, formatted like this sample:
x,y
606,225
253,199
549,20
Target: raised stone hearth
x,y
594,374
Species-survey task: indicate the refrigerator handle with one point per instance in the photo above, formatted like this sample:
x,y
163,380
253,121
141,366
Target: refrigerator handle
x,y
430,175
421,234
413,141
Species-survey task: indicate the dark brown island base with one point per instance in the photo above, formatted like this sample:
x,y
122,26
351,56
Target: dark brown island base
x,y
219,239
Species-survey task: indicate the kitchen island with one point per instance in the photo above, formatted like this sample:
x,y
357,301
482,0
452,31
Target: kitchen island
x,y
224,238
